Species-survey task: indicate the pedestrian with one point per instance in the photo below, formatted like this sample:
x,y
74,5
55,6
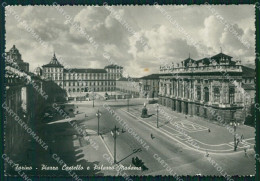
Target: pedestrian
x,y
242,137
207,153
245,149
209,130
152,136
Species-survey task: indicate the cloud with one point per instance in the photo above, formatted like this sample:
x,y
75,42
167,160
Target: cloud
x,y
215,35
151,28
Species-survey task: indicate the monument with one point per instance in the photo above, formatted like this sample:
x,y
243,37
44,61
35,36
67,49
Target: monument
x,y
144,112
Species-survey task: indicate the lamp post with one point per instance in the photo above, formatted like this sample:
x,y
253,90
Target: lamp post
x,y
115,132
234,124
98,114
128,103
157,115
93,97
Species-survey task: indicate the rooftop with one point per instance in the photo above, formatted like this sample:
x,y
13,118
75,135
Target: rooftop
x,y
248,72
85,70
248,86
221,55
128,79
188,61
53,63
151,76
113,66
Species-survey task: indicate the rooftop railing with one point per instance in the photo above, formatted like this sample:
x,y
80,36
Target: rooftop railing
x,y
208,68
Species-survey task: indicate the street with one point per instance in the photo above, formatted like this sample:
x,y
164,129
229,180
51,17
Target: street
x,y
164,144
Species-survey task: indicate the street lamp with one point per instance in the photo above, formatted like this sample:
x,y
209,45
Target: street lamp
x,y
98,114
115,132
93,96
128,103
157,115
235,124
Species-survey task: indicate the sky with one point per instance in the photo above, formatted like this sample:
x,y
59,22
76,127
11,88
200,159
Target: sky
x,y
165,43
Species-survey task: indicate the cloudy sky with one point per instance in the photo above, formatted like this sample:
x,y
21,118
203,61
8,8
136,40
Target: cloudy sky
x,y
162,37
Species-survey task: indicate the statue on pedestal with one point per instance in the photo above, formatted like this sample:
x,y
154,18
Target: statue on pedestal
x,y
144,112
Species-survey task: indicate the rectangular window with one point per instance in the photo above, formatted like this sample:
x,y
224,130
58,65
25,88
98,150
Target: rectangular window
x,y
231,96
216,95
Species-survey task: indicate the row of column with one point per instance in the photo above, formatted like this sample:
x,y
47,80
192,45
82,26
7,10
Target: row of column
x,y
189,90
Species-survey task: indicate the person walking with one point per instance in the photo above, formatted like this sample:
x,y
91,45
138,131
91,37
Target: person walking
x,y
207,153
242,137
245,149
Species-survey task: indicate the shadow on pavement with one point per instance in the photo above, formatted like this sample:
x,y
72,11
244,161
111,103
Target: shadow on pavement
x,y
63,144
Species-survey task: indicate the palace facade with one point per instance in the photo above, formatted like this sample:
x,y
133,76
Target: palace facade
x,y
207,88
82,80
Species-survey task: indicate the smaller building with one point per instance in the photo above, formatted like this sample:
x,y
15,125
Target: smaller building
x,y
248,83
150,85
129,86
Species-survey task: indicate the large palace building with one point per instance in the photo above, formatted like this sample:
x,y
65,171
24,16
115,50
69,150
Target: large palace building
x,y
81,80
207,88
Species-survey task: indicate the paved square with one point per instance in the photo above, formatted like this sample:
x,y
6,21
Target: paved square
x,y
189,126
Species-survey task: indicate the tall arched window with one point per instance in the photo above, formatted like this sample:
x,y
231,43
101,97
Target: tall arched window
x,y
216,95
180,91
231,95
206,94
199,93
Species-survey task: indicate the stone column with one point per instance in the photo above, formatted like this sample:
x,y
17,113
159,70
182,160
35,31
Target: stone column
x,y
211,93
202,92
221,93
183,85
177,87
168,89
190,87
194,90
